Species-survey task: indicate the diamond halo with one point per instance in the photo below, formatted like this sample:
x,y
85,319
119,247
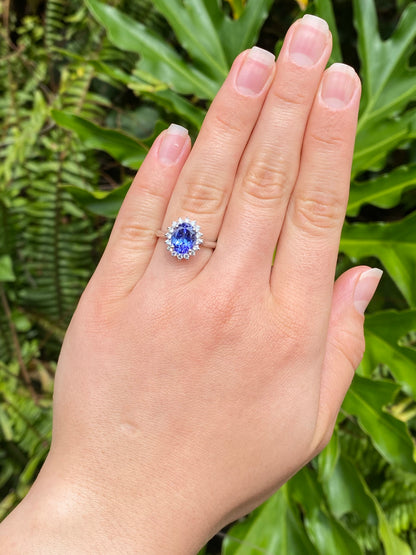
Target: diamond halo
x,y
183,238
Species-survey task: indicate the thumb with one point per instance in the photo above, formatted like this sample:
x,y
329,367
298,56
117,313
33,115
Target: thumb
x,y
353,291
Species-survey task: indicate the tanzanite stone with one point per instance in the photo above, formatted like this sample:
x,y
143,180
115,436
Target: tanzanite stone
x,y
183,238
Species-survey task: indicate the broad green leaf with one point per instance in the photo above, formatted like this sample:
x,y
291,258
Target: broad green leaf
x,y
377,138
178,105
383,332
243,33
328,458
6,269
165,97
393,545
237,7
389,83
158,58
389,86
394,244
324,9
102,203
326,532
383,191
366,400
347,492
275,527
124,148
197,33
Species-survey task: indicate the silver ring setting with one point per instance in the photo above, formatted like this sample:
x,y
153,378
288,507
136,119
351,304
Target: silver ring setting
x,y
183,238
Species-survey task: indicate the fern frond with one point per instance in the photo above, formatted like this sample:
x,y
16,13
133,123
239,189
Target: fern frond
x,y
55,12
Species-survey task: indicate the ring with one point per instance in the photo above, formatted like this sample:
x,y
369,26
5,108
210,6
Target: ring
x,y
184,238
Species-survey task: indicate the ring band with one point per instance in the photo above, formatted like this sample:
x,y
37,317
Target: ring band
x,y
184,238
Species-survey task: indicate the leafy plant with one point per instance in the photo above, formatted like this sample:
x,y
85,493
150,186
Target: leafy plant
x,y
81,102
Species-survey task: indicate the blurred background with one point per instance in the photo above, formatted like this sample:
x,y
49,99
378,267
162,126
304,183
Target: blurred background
x,y
85,87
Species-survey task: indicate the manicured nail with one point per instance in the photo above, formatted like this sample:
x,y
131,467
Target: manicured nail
x,y
309,40
338,85
365,288
255,71
172,144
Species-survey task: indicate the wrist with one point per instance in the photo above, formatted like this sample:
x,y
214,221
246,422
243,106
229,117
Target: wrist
x,y
60,517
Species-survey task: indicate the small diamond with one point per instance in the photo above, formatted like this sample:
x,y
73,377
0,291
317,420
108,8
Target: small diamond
x,y
183,238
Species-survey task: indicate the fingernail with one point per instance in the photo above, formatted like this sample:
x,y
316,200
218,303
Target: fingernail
x,y
365,288
172,144
255,71
309,40
338,85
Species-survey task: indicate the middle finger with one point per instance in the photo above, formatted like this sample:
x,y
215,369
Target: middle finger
x,y
270,164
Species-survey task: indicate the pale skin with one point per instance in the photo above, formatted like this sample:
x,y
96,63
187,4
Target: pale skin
x,y
188,391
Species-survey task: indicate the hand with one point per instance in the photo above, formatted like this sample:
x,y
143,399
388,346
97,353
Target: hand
x,y
188,391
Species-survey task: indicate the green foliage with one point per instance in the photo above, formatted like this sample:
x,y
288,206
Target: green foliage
x,y
83,93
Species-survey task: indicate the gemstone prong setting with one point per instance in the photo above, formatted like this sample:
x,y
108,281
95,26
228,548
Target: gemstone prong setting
x,y
183,238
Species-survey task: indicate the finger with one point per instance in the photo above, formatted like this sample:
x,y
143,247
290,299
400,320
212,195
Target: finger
x,y
345,343
133,237
269,166
304,266
207,178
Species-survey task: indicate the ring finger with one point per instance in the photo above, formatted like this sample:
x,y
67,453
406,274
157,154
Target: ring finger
x,y
205,182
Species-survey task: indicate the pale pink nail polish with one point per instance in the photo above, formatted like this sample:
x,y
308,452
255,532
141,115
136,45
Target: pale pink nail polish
x,y
365,288
172,144
255,71
309,41
338,85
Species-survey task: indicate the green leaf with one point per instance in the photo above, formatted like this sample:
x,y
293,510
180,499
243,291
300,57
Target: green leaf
x,y
326,532
242,33
347,492
389,86
124,148
237,7
383,332
197,33
158,57
377,138
366,400
328,458
324,9
393,545
273,528
6,269
394,244
102,203
383,191
178,106
389,83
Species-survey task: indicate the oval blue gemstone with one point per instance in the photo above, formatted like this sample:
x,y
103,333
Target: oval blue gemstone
x,y
183,238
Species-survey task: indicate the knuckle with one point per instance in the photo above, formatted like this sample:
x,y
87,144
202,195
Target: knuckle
x,y
222,311
291,332
201,197
224,122
351,344
293,96
132,232
318,211
264,182
95,316
325,139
